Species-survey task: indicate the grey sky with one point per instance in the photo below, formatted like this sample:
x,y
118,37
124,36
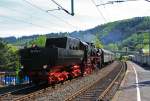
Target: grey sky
x,y
18,17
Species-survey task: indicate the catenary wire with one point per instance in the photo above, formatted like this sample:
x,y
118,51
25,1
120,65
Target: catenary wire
x,y
41,9
23,21
101,14
17,11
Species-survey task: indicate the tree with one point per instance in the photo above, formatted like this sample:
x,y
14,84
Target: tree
x,y
40,41
97,42
113,46
9,58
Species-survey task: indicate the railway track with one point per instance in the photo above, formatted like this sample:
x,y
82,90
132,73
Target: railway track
x,y
103,89
61,92
19,93
10,88
28,92
10,95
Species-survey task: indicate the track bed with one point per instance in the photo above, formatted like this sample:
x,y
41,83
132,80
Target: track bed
x,y
70,90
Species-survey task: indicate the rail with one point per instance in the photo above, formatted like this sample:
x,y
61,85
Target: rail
x,y
102,97
8,94
103,94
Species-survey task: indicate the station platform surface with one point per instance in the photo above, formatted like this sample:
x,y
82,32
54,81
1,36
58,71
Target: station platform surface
x,y
135,85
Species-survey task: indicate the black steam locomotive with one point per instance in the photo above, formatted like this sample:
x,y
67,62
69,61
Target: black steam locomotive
x,y
61,59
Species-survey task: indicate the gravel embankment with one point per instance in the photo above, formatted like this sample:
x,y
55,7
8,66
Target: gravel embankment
x,y
61,92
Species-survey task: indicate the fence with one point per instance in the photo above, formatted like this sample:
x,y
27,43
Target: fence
x,y
11,79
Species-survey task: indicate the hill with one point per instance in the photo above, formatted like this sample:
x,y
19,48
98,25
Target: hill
x,y
114,34
116,31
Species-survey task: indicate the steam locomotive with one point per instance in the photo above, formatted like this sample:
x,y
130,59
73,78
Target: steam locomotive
x,y
62,59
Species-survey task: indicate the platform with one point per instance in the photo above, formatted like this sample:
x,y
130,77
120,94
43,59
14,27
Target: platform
x,y
135,85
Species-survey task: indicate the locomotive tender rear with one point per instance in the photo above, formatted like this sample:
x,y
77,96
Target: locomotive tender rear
x,y
57,51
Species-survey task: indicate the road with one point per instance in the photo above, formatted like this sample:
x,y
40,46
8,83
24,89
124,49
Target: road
x,y
135,85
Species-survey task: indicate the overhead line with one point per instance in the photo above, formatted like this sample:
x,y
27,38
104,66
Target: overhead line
x,y
22,21
48,13
101,14
61,8
23,13
118,1
147,0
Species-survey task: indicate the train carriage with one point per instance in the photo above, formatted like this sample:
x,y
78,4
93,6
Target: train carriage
x,y
141,59
107,56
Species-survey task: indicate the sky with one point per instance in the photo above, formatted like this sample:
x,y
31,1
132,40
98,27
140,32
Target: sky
x,y
27,17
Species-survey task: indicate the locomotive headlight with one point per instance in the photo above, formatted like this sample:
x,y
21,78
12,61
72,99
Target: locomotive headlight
x,y
44,66
21,67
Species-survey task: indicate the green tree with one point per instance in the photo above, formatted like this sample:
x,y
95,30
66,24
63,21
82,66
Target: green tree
x,y
40,41
112,46
97,42
9,58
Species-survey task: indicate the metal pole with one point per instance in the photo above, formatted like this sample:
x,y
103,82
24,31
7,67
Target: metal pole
x,y
138,40
72,7
142,41
149,42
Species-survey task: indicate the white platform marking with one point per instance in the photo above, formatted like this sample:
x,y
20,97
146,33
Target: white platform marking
x,y
137,85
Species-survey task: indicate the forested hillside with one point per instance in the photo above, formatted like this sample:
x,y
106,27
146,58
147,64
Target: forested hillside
x,y
116,35
113,35
118,32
